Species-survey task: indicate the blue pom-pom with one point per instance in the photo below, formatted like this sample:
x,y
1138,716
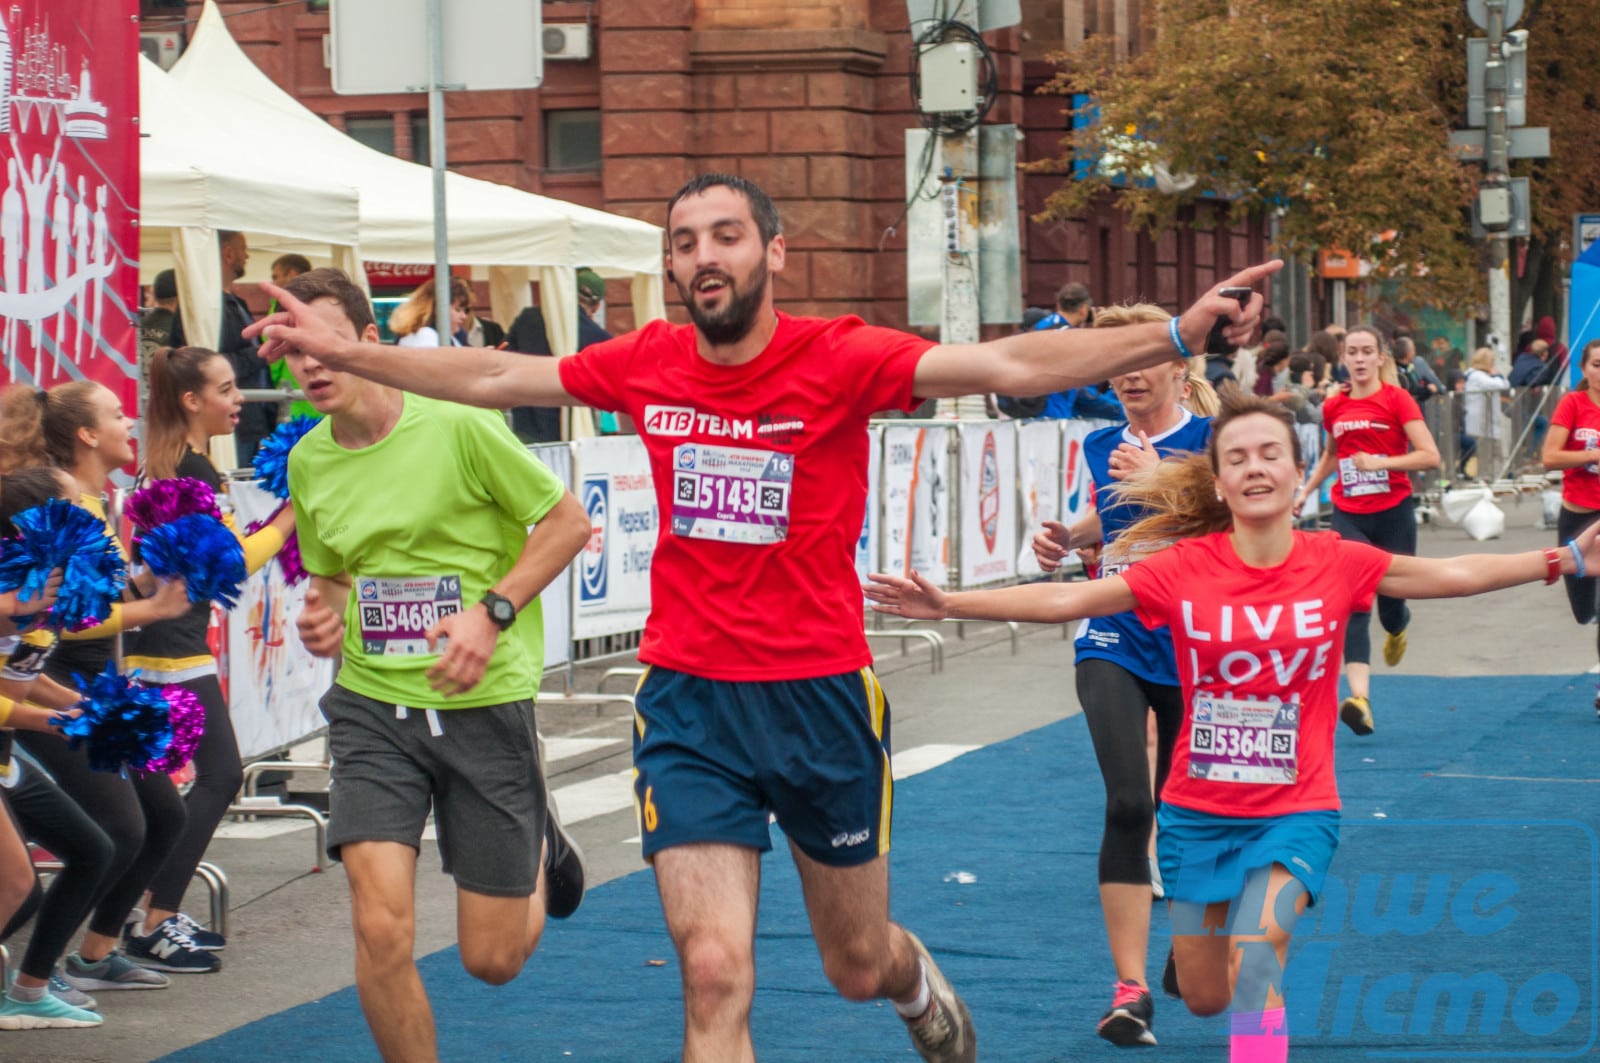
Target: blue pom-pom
x,y
121,722
203,551
272,456
61,535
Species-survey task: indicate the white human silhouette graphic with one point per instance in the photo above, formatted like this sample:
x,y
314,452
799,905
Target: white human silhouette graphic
x,y
102,261
61,233
11,239
81,261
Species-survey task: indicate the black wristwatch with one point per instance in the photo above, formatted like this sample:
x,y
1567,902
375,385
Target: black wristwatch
x,y
501,611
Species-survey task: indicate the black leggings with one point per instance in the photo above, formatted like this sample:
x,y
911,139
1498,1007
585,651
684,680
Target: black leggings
x,y
1393,530
50,818
1114,702
141,814
1581,593
217,777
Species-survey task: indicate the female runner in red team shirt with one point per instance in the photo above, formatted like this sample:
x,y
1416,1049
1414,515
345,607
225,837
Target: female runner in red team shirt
x,y
1371,426
1573,445
1249,815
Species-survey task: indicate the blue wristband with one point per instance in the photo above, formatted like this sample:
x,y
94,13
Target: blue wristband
x,y
1577,559
1177,338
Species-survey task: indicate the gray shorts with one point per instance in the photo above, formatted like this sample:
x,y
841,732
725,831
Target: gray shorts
x,y
481,777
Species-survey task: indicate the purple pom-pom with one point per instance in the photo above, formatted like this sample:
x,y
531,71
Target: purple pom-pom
x,y
163,501
187,717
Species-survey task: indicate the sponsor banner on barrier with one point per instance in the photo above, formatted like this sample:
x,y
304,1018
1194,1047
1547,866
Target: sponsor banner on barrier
x,y
988,507
611,591
1039,481
1077,488
917,495
556,601
867,546
274,684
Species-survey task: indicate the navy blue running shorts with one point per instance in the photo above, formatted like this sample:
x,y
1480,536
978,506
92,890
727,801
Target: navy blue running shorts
x,y
714,759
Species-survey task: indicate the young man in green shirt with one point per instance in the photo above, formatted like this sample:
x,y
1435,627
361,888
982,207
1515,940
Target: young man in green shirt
x,y
413,517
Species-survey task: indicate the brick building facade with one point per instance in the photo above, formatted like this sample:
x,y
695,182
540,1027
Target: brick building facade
x,y
810,98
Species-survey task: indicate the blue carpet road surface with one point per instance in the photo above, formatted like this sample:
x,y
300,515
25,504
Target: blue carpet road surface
x,y
1460,920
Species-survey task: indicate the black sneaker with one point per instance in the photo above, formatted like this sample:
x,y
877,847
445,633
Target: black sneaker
x,y
563,869
1128,1021
168,948
1169,978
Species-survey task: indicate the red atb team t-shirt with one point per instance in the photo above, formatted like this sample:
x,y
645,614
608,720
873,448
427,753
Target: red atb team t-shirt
x,y
761,478
1258,659
1578,414
1373,425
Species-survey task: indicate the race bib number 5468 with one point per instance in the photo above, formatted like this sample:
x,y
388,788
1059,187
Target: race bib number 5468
x,y
396,612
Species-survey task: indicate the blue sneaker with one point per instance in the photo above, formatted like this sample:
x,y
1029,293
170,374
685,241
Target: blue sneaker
x,y
46,1013
116,971
168,948
70,994
204,940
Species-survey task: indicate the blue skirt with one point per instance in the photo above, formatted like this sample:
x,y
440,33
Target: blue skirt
x,y
1205,858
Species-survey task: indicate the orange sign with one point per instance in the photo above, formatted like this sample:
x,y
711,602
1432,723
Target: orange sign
x,y
1336,264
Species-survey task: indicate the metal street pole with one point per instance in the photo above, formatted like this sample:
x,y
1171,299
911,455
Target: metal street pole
x,y
441,231
959,312
1497,172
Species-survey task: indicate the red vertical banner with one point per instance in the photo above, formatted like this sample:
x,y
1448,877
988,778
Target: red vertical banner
x,y
69,193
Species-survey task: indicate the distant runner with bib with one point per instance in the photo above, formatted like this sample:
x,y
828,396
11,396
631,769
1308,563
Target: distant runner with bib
x,y
1249,818
1573,446
1377,439
760,698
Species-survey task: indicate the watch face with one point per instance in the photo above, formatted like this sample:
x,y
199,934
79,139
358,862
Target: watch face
x,y
502,612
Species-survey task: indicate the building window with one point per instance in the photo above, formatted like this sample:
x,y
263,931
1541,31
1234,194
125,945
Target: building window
x,y
421,145
572,141
376,132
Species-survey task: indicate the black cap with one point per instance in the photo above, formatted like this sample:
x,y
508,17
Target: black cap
x,y
166,285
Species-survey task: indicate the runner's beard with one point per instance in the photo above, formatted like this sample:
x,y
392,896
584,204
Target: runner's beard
x,y
734,321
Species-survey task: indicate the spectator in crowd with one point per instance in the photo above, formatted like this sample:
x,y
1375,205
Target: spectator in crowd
x,y
1220,374
160,319
286,268
257,419
1480,422
1272,365
542,424
1534,367
1546,331
475,331
1423,382
413,320
1074,309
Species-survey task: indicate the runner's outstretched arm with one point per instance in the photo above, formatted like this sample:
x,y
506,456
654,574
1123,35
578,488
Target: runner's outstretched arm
x,y
1039,363
1033,603
473,376
1469,574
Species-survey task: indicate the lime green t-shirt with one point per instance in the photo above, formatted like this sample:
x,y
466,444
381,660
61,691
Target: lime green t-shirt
x,y
423,521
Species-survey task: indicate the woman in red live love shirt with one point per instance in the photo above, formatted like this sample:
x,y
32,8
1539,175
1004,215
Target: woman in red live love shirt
x,y
1378,438
1573,446
1249,816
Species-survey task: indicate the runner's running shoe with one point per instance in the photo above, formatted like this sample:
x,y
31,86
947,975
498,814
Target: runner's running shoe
x,y
563,869
1394,648
1357,715
1169,978
1132,1012
46,1013
116,971
168,948
943,1033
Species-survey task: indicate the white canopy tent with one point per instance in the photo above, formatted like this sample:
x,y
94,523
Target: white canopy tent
x,y
512,235
196,179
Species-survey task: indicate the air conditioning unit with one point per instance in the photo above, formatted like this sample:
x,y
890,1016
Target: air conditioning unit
x,y
161,47
567,40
